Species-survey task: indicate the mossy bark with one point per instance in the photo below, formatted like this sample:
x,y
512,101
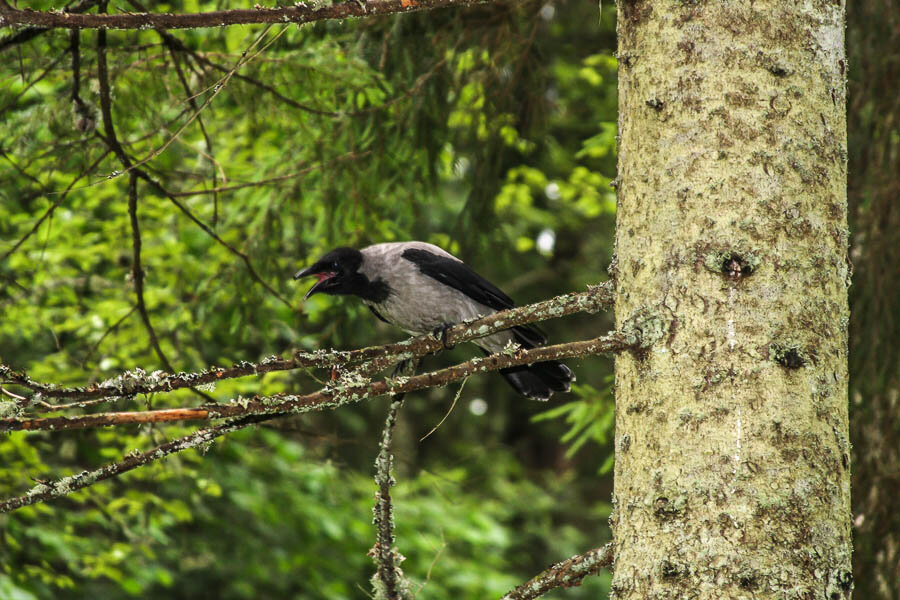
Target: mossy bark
x,y
732,464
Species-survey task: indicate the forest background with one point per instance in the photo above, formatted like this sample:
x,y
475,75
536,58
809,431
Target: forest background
x,y
489,131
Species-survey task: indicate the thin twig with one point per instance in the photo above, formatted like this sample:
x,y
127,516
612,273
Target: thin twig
x,y
253,274
176,43
239,186
434,561
209,149
216,89
34,81
201,59
193,104
565,574
109,330
449,410
43,406
6,392
116,147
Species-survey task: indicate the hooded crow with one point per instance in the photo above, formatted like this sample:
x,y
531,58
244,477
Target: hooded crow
x,y
420,288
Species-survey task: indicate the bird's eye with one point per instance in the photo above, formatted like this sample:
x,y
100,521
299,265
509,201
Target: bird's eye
x,y
334,265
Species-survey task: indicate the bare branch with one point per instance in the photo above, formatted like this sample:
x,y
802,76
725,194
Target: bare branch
x,y
299,13
85,120
216,89
105,102
137,271
114,145
174,42
109,330
32,32
565,574
594,299
343,391
246,259
34,81
209,148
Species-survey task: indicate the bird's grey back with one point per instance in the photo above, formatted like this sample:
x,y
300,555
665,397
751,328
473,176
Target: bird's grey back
x,y
418,303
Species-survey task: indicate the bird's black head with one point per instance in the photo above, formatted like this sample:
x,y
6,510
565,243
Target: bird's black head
x,y
338,273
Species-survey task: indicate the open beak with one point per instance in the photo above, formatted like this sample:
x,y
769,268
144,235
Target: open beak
x,y
323,277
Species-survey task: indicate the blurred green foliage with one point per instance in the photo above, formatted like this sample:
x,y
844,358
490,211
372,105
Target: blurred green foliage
x,y
873,163
489,131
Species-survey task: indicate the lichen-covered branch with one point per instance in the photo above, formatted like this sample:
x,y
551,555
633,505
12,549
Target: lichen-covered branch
x,y
353,388
260,409
388,580
299,13
56,489
565,574
137,381
263,409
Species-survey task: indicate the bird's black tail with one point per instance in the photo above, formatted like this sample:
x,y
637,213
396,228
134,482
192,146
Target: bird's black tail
x,y
539,380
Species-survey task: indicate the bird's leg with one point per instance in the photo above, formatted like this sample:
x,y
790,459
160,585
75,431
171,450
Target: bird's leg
x,y
440,333
406,367
400,368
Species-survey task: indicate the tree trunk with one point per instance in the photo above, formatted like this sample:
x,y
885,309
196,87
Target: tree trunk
x,y
732,465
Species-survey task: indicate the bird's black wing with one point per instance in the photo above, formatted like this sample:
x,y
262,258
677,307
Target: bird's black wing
x,y
377,314
461,277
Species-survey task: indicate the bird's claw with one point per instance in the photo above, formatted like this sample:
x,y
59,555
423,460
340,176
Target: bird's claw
x,y
400,368
440,333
